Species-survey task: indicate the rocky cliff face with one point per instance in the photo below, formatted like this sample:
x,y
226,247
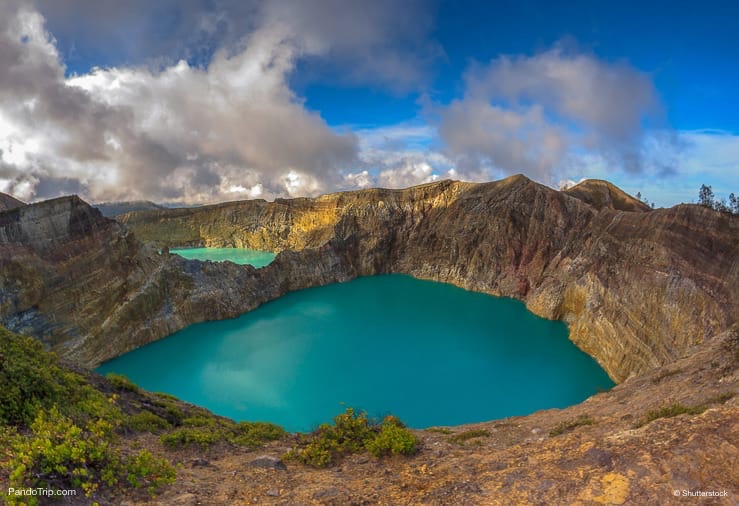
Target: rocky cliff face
x,y
637,288
8,202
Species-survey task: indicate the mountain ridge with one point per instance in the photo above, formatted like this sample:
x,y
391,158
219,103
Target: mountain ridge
x,y
560,255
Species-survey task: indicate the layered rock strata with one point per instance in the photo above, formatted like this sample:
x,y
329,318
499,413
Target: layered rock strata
x,y
637,288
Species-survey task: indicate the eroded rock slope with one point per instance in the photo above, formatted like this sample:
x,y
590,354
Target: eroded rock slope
x,y
637,288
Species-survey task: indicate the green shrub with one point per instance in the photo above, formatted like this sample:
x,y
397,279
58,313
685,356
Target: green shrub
x,y
146,421
205,431
120,382
199,421
166,396
439,430
393,439
60,454
672,410
465,436
569,425
174,414
29,377
190,436
350,433
84,403
254,434
353,432
57,430
145,470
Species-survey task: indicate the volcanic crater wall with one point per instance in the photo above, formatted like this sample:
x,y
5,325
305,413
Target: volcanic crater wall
x,y
638,288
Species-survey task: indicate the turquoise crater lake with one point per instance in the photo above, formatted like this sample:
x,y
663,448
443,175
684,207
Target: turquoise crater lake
x,y
430,353
236,255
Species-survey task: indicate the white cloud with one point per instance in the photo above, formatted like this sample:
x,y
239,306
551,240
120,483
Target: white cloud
x,y
361,179
538,114
179,133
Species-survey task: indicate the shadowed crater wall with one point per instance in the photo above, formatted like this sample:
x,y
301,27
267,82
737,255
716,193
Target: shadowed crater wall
x,y
637,288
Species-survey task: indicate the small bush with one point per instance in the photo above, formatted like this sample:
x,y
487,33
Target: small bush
x,y
205,431
671,411
166,396
145,470
439,430
175,415
353,432
254,434
190,436
146,421
569,425
393,439
84,403
29,378
465,436
60,454
120,382
58,431
199,421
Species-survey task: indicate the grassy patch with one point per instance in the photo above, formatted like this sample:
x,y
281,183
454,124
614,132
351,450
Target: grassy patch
x,y
439,430
467,435
569,425
254,434
205,431
166,396
120,382
353,432
670,411
146,421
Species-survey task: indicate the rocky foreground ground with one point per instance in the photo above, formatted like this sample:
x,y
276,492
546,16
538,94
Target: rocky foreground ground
x,y
603,451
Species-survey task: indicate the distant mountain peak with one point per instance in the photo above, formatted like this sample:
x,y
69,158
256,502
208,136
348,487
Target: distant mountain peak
x,y
110,209
8,202
602,194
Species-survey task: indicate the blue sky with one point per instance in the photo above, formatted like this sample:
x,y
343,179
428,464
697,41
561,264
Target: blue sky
x,y
209,100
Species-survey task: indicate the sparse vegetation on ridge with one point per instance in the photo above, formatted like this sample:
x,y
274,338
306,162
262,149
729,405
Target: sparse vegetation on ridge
x,y
353,432
670,411
568,425
706,198
467,435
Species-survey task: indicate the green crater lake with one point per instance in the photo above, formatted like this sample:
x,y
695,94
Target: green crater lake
x,y
236,255
430,353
